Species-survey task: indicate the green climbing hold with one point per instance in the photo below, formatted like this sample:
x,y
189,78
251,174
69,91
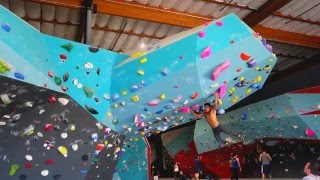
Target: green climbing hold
x,y
88,91
57,80
14,168
4,66
115,122
67,47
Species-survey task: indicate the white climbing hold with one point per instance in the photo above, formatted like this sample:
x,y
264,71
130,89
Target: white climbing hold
x,y
2,123
64,135
41,111
63,101
44,172
28,157
185,102
74,147
39,134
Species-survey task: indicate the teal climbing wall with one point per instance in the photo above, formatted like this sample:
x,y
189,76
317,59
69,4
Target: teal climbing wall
x,y
133,162
292,115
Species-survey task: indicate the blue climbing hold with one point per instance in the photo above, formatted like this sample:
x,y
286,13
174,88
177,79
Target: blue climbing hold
x,y
19,76
6,27
244,116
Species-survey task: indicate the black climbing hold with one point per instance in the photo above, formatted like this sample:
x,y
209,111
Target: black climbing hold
x,y
93,49
66,121
56,128
23,177
235,78
65,77
91,110
88,73
77,67
98,71
57,176
85,157
96,99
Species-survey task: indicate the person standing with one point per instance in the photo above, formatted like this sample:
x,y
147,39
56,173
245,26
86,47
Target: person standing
x,y
197,167
155,173
235,168
176,171
265,159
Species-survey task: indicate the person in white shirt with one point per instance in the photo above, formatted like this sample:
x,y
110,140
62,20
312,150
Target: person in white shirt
x,y
176,171
309,169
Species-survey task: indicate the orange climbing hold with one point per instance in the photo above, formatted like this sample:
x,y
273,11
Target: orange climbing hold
x,y
245,56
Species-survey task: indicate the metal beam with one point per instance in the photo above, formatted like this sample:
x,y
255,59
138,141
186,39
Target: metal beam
x,y
288,37
264,11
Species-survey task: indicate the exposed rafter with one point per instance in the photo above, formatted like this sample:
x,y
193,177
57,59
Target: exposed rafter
x,y
160,15
264,11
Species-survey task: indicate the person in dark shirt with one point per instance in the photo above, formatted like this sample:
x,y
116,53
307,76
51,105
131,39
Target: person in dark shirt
x,y
197,167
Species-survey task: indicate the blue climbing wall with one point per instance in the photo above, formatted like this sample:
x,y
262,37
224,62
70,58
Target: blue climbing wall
x,y
292,115
152,90
133,160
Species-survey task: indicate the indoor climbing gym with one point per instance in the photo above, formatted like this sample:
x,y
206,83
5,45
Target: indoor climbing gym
x,y
159,89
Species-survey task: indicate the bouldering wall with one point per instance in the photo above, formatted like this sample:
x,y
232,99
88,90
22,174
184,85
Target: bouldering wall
x,y
292,115
45,133
134,160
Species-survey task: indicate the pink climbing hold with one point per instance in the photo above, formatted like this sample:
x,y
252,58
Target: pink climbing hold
x,y
201,34
50,74
175,100
205,53
219,23
136,118
310,132
222,91
185,110
154,102
219,69
141,124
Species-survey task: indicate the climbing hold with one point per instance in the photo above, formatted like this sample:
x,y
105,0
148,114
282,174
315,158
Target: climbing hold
x,y
49,161
222,90
154,102
85,157
310,132
64,135
91,110
244,56
201,34
74,147
136,118
219,23
28,157
115,105
144,60
88,91
252,63
235,99
67,47
239,70
135,98
57,80
134,88
23,177
253,86
6,27
13,169
185,102
124,92
169,106
162,96
115,122
116,97
141,124
244,116
19,76
98,71
94,137
248,91
206,52
194,96
72,127
93,49
63,57
140,72
219,69
221,111
175,100
63,150
44,172
63,101
122,103
65,77
164,72
267,67
185,109
48,127
28,165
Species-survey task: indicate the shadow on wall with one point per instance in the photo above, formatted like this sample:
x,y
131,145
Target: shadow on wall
x,y
45,133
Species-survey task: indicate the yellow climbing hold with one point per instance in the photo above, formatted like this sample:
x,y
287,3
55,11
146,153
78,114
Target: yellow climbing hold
x,y
143,60
116,105
136,139
138,54
63,150
270,60
135,98
232,90
248,91
73,127
105,142
235,99
124,92
242,79
257,68
142,133
141,72
162,96
259,78
109,114
220,102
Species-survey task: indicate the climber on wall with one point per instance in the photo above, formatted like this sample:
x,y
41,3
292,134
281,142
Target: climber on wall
x,y
210,114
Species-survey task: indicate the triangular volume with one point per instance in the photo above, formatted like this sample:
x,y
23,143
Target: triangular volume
x,y
312,112
311,90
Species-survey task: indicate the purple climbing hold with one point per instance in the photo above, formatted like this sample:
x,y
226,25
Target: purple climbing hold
x,y
251,63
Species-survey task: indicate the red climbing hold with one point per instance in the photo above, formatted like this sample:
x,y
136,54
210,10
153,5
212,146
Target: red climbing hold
x,y
64,89
48,127
52,99
63,57
49,161
239,69
195,95
245,56
28,165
